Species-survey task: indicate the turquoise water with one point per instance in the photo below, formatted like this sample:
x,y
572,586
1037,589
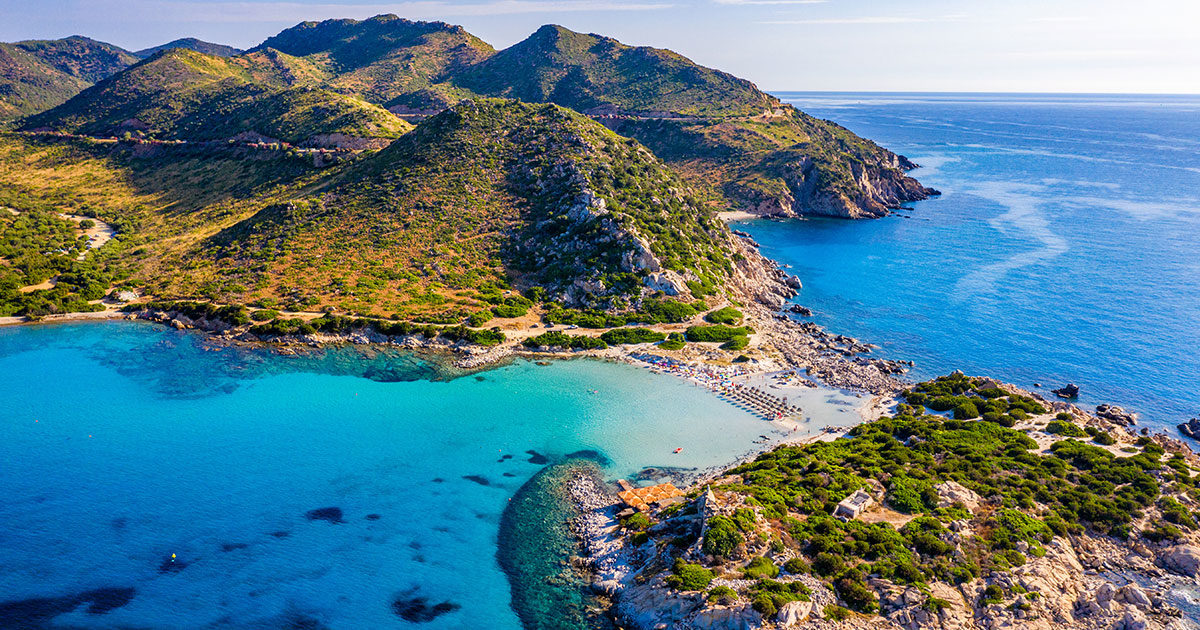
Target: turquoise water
x,y
1064,248
124,443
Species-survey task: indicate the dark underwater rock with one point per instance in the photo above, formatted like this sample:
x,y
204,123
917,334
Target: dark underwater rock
x,y
37,613
281,534
483,481
537,458
233,546
331,514
416,609
595,456
373,517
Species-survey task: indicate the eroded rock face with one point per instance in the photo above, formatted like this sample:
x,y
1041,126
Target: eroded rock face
x,y
1181,559
793,613
952,492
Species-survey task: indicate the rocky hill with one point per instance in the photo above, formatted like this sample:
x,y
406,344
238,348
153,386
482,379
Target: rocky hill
x,y
1012,512
37,75
386,59
191,43
186,95
487,191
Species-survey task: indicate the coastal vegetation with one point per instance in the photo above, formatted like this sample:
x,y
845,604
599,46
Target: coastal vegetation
x,y
771,519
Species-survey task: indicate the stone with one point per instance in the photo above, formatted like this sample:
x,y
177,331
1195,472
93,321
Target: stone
x,y
1070,390
1105,592
1133,595
1181,559
1191,428
1133,620
1116,414
952,492
793,613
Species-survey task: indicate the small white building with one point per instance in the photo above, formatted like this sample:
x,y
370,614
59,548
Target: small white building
x,y
853,505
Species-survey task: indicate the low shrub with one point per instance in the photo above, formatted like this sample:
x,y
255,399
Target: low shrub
x,y
618,336
760,567
716,333
727,315
264,315
689,577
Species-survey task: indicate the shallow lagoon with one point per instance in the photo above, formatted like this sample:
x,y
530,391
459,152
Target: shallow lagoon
x,y
123,443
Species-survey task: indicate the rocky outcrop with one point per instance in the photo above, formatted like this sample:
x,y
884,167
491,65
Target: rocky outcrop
x,y
1191,428
1069,391
1181,559
1116,414
879,188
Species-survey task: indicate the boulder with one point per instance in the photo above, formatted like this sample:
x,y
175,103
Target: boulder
x,y
952,492
1070,390
1181,559
800,310
1133,620
1116,414
726,618
1191,428
1133,595
793,613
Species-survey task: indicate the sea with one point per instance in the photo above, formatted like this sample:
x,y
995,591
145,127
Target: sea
x,y
151,478
1065,247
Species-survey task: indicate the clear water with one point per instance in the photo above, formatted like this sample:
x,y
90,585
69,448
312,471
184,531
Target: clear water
x,y
124,443
1066,246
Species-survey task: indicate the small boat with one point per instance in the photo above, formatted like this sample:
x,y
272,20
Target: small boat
x,y
678,450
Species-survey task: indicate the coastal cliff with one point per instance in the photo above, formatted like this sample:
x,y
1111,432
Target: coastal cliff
x,y
977,523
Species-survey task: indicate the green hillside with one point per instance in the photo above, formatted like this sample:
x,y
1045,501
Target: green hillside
x,y
191,43
384,58
37,75
183,94
486,194
590,72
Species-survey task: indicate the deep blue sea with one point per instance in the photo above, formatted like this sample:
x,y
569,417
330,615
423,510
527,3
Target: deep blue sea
x,y
1066,245
122,444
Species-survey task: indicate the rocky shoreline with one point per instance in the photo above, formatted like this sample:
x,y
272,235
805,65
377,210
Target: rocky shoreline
x,y
1084,581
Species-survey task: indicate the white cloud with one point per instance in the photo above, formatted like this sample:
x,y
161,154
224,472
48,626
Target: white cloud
x,y
768,2
874,19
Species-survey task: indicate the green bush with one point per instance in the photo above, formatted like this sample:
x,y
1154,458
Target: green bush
x,y
716,333
264,315
618,336
737,343
796,566
479,318
722,595
992,594
1104,438
764,604
966,411
836,613
727,315
557,339
760,567
856,594
636,521
689,577
722,537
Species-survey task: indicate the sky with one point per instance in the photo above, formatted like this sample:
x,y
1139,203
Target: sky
x,y
1141,46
